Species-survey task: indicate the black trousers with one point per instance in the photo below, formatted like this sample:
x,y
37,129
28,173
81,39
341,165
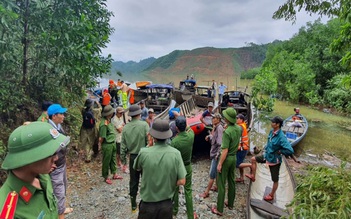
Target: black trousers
x,y
156,210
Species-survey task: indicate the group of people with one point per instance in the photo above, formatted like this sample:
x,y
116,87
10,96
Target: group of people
x,y
212,90
143,143
117,93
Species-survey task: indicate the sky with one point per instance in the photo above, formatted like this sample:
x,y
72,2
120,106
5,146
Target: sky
x,y
154,28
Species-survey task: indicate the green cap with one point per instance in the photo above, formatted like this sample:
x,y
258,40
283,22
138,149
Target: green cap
x,y
230,115
33,142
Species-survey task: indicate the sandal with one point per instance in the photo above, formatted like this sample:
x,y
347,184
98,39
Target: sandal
x,y
252,178
108,181
215,211
68,210
268,198
204,195
239,180
117,177
226,204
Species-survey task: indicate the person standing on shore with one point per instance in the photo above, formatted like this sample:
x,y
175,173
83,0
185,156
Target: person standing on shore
x,y
183,142
277,144
107,142
227,161
134,137
158,186
216,140
243,148
32,152
59,175
118,122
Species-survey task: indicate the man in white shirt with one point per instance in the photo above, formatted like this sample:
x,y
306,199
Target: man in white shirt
x,y
221,89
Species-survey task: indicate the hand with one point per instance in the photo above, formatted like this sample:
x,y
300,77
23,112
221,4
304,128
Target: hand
x,y
99,146
219,168
207,138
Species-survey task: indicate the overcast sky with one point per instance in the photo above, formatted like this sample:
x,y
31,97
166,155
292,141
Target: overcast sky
x,y
154,28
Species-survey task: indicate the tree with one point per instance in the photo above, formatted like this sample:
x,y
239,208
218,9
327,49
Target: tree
x,y
51,50
331,8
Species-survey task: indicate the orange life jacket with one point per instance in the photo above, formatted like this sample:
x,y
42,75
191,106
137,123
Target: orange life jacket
x,y
244,140
131,97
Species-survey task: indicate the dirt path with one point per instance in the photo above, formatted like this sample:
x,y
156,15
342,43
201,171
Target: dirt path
x,y
92,198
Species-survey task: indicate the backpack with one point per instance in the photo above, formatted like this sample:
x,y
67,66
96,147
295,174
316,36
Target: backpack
x,y
88,119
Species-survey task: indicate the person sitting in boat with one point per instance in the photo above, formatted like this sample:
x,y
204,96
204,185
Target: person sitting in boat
x,y
206,117
277,144
297,115
209,93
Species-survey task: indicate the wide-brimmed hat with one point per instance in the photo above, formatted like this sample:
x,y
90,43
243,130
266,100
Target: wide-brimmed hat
x,y
88,103
160,129
134,110
119,109
55,109
108,110
33,142
230,115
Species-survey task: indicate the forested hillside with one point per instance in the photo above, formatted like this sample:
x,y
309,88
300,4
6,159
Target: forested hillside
x,y
203,63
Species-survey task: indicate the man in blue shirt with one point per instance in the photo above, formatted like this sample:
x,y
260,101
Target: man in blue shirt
x,y
221,89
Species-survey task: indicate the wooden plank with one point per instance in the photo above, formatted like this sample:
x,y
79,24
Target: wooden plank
x,y
268,207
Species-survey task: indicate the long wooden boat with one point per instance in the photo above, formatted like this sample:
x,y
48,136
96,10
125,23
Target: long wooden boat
x,y
201,97
241,102
185,90
256,207
159,97
295,128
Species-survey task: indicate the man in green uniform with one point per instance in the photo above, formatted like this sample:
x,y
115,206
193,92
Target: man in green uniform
x,y
183,142
27,191
107,142
227,162
134,137
159,185
44,117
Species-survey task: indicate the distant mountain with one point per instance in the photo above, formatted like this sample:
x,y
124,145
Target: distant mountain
x,y
205,64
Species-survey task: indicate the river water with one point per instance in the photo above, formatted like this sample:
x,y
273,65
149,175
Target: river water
x,y
327,133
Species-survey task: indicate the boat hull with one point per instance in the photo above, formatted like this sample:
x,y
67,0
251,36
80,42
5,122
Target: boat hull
x,y
295,130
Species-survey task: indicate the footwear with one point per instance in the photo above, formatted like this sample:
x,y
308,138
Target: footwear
x,y
68,210
252,178
108,181
226,204
204,195
215,211
214,188
268,198
133,203
239,180
117,177
195,215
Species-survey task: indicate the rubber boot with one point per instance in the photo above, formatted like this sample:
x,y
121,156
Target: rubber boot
x,y
134,204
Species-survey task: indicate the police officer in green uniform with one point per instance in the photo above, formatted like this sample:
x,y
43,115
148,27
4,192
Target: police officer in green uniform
x,y
27,191
227,161
183,142
163,170
107,142
134,137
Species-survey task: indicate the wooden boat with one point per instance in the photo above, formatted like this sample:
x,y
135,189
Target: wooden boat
x,y
295,128
159,97
256,207
241,102
201,97
185,90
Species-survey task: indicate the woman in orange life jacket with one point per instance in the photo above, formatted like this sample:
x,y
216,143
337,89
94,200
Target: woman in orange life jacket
x,y
243,148
106,99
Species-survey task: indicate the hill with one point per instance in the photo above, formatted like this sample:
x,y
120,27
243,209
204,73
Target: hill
x,y
205,64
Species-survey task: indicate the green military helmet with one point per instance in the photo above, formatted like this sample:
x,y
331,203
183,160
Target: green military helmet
x,y
33,142
230,115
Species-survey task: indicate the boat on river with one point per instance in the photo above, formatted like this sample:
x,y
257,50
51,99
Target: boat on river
x,y
159,97
185,91
241,102
256,207
201,96
295,128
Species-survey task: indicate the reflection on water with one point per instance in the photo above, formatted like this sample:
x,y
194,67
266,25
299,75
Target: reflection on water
x,y
327,133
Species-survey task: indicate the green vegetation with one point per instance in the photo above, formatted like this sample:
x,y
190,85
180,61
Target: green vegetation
x,y
306,69
323,193
50,50
250,74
